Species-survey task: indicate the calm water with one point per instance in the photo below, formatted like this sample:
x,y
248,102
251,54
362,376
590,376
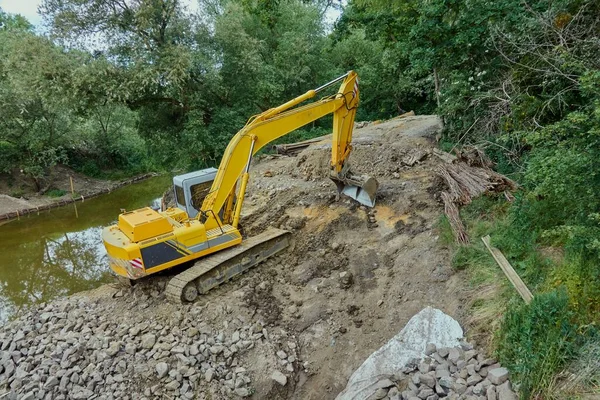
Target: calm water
x,y
60,251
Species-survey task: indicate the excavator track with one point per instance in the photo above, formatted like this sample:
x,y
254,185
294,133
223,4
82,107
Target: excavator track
x,y
220,267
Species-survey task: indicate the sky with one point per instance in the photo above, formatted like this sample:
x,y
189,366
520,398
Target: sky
x,y
28,9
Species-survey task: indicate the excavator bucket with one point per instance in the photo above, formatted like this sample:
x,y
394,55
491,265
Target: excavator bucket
x,y
359,187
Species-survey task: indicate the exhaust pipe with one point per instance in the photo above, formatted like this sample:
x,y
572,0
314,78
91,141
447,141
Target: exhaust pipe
x,y
361,188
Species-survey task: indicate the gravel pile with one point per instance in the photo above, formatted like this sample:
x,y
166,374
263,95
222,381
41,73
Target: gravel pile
x,y
459,373
77,348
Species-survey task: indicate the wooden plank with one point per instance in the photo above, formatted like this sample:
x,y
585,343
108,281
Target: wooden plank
x,y
508,270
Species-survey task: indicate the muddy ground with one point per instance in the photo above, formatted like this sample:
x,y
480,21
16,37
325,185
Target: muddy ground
x,y
352,279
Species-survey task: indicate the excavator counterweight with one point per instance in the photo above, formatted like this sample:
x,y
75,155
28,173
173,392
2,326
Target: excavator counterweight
x,y
204,228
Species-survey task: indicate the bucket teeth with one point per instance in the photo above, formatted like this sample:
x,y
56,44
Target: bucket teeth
x,y
360,188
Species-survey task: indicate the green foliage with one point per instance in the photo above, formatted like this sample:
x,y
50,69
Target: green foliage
x,y
56,193
536,341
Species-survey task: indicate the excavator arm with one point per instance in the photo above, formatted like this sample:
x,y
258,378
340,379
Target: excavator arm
x,y
275,123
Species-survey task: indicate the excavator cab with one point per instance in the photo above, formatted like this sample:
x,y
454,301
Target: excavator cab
x,y
192,188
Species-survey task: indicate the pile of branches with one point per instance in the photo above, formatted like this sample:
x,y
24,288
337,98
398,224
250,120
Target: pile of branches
x,y
469,176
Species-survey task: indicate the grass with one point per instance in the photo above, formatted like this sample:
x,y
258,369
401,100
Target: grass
x,y
56,193
537,342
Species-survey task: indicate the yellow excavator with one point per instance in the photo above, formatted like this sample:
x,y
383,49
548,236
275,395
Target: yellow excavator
x,y
205,223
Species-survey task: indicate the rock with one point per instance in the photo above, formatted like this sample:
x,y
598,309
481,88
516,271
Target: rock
x,y
430,349
478,389
474,379
51,382
208,375
425,392
281,354
443,352
82,394
279,378
454,355
379,394
346,279
505,392
162,369
427,380
148,340
130,348
498,376
446,382
28,396
113,349
491,393
424,367
242,392
173,385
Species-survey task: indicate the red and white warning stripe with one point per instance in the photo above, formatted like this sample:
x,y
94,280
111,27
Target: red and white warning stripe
x,y
136,263
355,88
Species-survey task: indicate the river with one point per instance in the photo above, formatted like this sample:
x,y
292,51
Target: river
x,y
60,251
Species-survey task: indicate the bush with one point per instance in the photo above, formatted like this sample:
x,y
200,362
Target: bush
x,y
535,341
56,193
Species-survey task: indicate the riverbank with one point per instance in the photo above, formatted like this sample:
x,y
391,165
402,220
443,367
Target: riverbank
x,y
17,198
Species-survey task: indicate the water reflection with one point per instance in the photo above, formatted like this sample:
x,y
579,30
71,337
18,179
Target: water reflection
x,y
60,251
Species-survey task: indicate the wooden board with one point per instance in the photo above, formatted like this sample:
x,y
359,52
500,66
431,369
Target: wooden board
x,y
508,270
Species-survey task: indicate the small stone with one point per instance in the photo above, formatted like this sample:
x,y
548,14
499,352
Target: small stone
x,y
470,354
281,354
113,349
443,352
498,375
446,382
379,394
191,332
148,340
242,392
425,392
505,392
454,355
51,382
27,396
440,390
430,349
474,380
427,380
478,389
162,368
279,378
130,348
173,385
424,367
208,375
491,393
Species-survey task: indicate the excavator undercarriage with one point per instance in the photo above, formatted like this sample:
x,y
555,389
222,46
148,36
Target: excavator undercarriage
x,y
221,267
